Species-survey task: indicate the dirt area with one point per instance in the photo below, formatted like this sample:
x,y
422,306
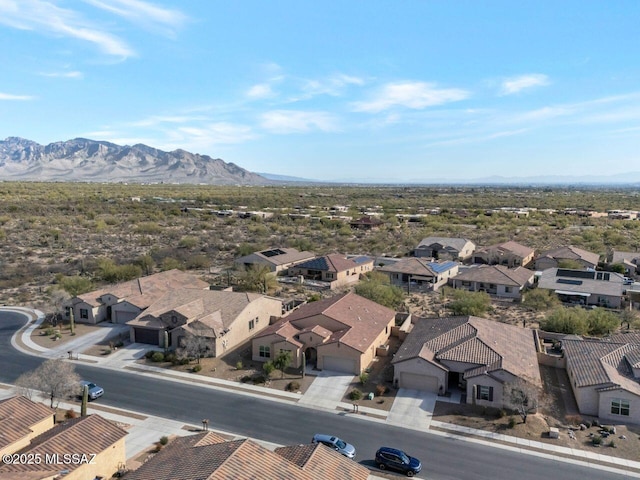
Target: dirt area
x,y
237,366
109,345
48,336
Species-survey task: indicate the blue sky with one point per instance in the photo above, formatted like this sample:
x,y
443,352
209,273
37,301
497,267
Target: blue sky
x,y
379,91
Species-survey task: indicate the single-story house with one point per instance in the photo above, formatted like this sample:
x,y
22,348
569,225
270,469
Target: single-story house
x,y
445,248
630,260
605,376
510,254
340,333
584,287
552,258
277,259
367,222
477,355
419,273
496,280
21,420
220,319
335,270
124,301
99,440
208,455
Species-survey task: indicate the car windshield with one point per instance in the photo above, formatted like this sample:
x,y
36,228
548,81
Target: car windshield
x,y
404,458
340,444
91,385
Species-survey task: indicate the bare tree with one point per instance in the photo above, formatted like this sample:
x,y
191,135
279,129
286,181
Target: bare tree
x,y
25,385
196,342
524,397
55,379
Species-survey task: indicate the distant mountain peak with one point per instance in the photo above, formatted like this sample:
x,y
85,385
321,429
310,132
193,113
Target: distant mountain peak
x,y
83,159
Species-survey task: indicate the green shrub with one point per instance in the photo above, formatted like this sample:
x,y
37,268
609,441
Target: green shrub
x,y
246,379
157,357
512,422
268,368
164,440
258,379
292,386
355,394
612,443
364,378
596,440
149,354
239,365
196,368
170,357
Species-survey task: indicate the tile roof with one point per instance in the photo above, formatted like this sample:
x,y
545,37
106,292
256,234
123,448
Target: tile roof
x,y
83,435
602,363
498,274
215,309
572,253
451,242
478,341
334,262
324,462
17,414
288,255
512,247
145,290
206,456
418,266
629,257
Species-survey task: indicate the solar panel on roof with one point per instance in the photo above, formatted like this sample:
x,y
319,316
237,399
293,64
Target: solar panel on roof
x,y
361,259
272,253
441,267
563,272
569,281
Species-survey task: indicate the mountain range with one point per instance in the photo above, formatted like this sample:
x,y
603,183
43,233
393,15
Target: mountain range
x,y
84,160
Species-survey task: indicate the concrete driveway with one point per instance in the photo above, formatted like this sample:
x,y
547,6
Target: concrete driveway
x,y
412,409
327,389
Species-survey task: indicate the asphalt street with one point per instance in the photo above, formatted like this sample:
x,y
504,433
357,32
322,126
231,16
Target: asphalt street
x,y
444,458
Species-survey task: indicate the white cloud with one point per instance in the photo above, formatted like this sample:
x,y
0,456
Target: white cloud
x,y
332,86
9,96
46,17
217,133
72,74
414,95
140,12
292,121
261,90
517,84
156,120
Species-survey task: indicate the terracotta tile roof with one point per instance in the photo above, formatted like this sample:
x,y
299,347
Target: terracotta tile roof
x,y
498,274
324,462
216,309
602,363
83,435
17,415
201,457
516,248
484,343
145,290
572,253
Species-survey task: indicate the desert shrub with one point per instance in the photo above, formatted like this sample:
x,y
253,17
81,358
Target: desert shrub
x,y
512,422
164,440
196,368
596,440
149,354
364,378
573,419
157,357
258,379
612,443
170,357
268,368
501,413
587,423
381,390
49,331
239,365
470,303
184,361
69,414
246,379
292,386
355,394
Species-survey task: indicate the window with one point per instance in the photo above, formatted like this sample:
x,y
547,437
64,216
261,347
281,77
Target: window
x,y
252,324
507,289
484,393
265,351
620,407
84,313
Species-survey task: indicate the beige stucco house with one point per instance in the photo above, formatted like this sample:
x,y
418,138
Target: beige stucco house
x,y
419,273
334,270
276,259
510,254
21,420
124,301
477,355
98,443
445,248
584,287
605,376
223,318
553,258
496,280
341,333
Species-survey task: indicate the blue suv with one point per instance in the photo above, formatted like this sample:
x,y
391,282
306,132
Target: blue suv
x,y
395,459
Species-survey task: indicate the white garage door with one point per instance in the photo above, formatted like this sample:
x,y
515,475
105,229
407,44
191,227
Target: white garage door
x,y
414,381
338,364
123,316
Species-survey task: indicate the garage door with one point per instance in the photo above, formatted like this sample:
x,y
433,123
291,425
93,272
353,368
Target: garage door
x,y
123,317
414,381
339,364
145,335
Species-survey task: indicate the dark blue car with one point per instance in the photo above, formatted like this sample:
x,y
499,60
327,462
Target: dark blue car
x,y
395,459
